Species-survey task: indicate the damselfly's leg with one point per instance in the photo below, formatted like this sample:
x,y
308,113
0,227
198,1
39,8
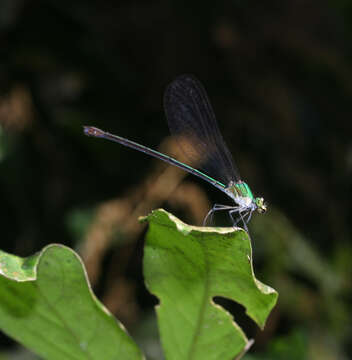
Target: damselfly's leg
x,y
209,216
249,216
234,220
244,223
239,218
216,207
231,218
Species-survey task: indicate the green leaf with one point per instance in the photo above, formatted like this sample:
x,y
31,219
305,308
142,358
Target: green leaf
x,y
46,304
185,267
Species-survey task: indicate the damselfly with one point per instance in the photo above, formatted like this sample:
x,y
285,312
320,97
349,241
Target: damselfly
x,y
190,115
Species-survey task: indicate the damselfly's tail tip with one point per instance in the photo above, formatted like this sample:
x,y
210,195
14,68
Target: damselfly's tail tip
x,y
92,131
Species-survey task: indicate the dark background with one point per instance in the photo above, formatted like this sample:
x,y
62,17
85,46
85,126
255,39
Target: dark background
x,y
279,76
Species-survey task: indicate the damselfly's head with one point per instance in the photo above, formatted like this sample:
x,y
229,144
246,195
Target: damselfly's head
x,y
261,206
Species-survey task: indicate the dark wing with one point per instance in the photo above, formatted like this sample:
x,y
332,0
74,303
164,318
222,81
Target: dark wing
x,y
189,114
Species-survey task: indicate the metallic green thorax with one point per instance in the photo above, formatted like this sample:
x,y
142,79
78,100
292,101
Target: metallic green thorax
x,y
241,189
242,195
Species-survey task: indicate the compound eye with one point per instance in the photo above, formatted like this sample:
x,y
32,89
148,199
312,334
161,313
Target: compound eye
x,y
262,209
261,206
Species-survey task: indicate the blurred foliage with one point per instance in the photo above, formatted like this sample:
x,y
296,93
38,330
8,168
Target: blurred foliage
x,y
279,77
289,347
46,303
